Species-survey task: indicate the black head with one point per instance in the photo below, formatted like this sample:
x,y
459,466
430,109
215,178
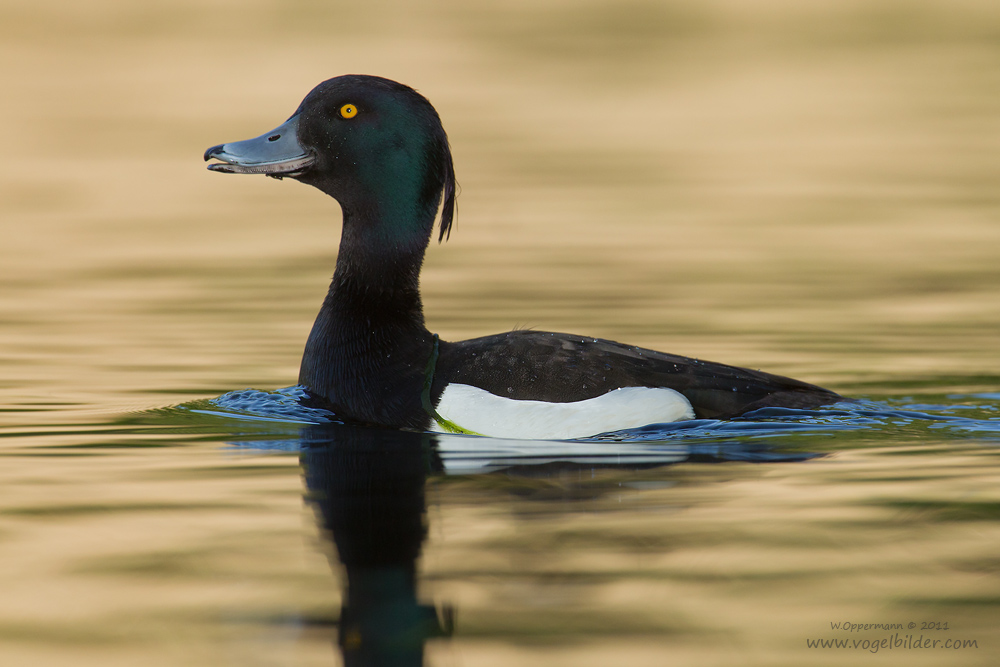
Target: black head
x,y
374,145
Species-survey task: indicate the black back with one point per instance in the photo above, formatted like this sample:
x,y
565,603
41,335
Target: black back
x,y
554,367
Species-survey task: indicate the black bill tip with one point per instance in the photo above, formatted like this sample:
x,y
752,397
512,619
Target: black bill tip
x,y
213,152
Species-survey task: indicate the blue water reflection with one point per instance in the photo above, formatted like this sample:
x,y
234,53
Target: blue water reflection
x,y
766,435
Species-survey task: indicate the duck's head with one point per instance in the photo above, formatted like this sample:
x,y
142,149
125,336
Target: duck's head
x,y
374,145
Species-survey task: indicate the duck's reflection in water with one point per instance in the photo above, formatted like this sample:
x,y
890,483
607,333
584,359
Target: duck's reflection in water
x,y
367,486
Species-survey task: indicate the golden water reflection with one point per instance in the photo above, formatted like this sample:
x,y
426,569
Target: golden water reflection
x,y
206,557
808,188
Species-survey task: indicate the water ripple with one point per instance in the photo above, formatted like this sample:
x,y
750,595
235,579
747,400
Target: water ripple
x,y
768,434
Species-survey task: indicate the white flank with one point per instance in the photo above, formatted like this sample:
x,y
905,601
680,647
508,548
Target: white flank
x,y
477,410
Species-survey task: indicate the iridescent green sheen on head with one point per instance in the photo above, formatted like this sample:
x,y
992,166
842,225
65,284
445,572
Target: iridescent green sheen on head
x,y
387,158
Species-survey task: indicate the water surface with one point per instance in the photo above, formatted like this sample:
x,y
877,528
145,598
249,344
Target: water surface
x,y
810,190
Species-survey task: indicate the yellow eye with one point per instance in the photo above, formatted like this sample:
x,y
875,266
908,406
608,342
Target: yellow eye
x,y
348,111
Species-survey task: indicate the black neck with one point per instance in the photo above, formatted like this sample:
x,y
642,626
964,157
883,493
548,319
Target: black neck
x,y
368,348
